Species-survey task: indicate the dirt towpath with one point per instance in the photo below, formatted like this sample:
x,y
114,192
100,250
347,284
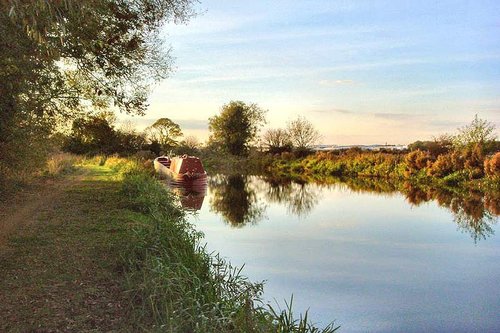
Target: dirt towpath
x,y
60,256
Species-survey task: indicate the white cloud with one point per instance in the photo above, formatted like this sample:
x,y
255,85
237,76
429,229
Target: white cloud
x,y
337,82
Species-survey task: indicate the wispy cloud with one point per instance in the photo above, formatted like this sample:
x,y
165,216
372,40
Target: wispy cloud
x,y
334,110
336,82
398,116
362,67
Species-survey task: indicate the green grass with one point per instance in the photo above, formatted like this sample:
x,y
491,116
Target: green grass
x,y
64,270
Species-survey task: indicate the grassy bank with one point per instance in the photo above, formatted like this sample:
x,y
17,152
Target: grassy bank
x,y
177,285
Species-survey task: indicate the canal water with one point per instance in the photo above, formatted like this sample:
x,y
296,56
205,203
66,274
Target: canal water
x,y
361,253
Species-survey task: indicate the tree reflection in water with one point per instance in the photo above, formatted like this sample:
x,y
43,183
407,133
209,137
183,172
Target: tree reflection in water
x,y
299,197
235,200
473,212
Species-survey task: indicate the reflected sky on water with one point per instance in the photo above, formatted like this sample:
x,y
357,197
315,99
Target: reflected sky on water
x,y
362,253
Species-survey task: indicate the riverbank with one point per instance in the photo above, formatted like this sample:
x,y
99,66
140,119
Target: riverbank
x,y
416,168
112,251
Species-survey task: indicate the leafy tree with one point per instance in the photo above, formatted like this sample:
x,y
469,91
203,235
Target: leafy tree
x,y
129,142
92,135
236,127
302,133
165,131
277,140
479,132
96,135
59,59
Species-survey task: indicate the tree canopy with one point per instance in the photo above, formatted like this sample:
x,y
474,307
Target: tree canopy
x,y
61,59
302,133
236,127
277,140
165,131
96,135
478,132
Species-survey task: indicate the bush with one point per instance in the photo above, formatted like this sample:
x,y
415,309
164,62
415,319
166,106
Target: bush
x,y
416,161
492,165
443,166
474,162
60,164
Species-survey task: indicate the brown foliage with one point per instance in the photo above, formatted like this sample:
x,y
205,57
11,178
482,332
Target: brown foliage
x,y
474,162
417,160
492,165
442,166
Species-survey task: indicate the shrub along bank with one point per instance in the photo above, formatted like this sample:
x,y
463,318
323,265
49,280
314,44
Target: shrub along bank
x,y
455,168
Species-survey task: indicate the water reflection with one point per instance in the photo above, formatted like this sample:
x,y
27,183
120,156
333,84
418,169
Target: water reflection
x,y
241,200
234,198
191,194
299,197
473,212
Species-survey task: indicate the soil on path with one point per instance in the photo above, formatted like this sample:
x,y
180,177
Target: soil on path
x,y
22,209
60,264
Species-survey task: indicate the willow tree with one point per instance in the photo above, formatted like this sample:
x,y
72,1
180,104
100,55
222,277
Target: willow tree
x,y
59,59
236,127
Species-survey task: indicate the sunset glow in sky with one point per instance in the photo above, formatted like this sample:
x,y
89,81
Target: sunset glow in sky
x,y
361,71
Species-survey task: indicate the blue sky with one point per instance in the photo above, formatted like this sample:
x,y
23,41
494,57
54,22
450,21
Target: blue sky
x,y
360,71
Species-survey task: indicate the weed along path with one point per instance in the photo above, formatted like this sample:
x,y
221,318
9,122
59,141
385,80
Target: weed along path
x,y
60,263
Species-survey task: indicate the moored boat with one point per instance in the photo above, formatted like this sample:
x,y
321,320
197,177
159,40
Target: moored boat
x,y
181,168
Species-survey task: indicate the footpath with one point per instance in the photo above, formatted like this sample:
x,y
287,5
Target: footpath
x,y
60,256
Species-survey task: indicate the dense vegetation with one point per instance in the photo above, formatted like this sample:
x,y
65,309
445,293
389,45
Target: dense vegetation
x,y
452,168
62,60
470,155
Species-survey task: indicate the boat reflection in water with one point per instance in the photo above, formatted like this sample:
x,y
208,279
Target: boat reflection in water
x,y
191,194
186,177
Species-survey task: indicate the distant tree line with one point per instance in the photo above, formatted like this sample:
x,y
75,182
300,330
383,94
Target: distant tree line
x,y
472,153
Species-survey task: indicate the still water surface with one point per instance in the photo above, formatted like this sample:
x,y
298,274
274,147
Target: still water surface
x,y
373,259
